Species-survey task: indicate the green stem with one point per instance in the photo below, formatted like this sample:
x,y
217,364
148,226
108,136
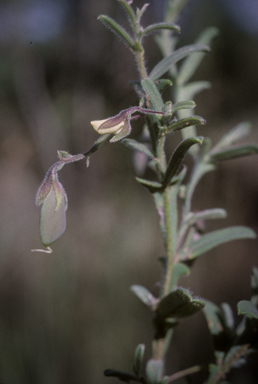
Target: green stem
x,y
169,242
139,56
183,373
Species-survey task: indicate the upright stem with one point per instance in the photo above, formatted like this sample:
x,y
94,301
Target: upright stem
x,y
169,242
139,56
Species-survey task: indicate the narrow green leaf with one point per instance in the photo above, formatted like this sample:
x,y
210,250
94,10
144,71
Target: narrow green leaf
x,y
179,270
144,295
162,84
152,186
97,144
234,153
135,145
214,239
190,90
117,29
138,359
228,317
191,63
129,11
174,9
177,158
211,214
235,134
184,123
164,65
179,303
198,172
247,308
159,26
213,317
188,104
153,93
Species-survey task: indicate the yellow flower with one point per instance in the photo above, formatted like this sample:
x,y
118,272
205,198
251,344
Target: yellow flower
x,y
119,124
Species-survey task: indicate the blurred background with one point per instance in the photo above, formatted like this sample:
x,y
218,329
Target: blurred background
x,y
67,316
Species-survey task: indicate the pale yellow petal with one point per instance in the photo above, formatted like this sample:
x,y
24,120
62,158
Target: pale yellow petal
x,y
97,123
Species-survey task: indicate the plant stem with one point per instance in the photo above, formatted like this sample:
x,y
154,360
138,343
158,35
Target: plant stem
x,y
183,373
169,242
139,56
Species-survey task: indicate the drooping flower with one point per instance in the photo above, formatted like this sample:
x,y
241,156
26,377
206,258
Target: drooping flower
x,y
52,196
120,124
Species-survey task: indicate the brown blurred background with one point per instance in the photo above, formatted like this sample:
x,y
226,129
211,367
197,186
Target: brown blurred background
x,y
67,316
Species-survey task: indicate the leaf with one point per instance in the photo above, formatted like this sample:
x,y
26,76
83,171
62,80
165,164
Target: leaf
x,y
52,222
129,11
164,65
135,145
215,213
233,153
162,84
177,158
179,270
152,186
153,93
138,359
237,133
188,104
214,239
143,294
190,64
213,316
159,26
97,144
190,90
228,317
118,30
179,303
184,123
247,308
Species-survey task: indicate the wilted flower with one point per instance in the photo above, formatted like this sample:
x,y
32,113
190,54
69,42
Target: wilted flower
x,y
120,124
52,196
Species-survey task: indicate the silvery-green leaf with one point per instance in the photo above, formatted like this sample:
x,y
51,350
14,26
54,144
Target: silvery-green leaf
x,y
192,62
234,153
143,294
129,11
159,26
138,359
164,65
247,308
153,93
135,145
178,303
235,134
184,123
152,186
117,29
188,104
213,239
178,156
